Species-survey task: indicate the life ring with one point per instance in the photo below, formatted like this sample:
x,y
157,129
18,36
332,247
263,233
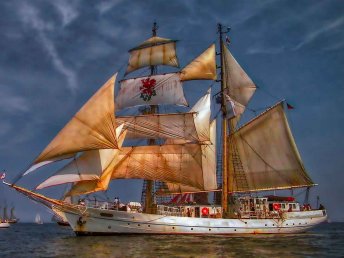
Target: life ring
x,y
277,206
205,211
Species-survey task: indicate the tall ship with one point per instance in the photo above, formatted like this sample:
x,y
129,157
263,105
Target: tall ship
x,y
184,158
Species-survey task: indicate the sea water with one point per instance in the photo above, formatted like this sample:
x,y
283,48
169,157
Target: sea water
x,y
51,240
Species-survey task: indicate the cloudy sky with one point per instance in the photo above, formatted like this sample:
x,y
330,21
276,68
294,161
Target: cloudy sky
x,y
55,54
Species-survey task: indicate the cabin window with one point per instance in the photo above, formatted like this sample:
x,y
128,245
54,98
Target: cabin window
x,y
294,206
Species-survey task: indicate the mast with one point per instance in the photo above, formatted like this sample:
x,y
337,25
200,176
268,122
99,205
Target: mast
x,y
224,200
153,110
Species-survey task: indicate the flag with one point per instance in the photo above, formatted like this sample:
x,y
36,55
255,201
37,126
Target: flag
x,y
289,106
228,41
3,175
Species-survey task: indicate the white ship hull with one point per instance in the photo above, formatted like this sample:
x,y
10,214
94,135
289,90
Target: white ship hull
x,y
104,222
4,225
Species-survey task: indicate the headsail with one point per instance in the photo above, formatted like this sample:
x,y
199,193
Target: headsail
x,y
238,85
201,68
92,127
268,153
154,51
89,166
151,90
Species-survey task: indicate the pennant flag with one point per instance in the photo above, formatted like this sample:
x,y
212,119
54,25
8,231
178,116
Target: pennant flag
x,y
3,175
289,106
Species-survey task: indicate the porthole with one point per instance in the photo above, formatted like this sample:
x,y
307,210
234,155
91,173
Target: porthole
x,y
191,228
172,227
138,225
209,229
109,227
234,229
128,223
149,226
266,225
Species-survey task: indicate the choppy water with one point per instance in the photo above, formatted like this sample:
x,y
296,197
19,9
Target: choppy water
x,y
51,240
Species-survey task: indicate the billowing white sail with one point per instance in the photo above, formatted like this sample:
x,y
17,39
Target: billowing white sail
x,y
238,85
182,127
268,153
89,166
201,68
154,51
188,164
92,127
208,167
152,90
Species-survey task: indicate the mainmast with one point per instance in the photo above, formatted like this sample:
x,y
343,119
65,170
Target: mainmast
x,y
153,109
224,201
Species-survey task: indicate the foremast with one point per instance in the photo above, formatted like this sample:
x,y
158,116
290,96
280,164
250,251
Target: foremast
x,y
149,184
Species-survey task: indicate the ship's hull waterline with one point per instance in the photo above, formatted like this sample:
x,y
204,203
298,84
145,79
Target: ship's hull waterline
x,y
107,222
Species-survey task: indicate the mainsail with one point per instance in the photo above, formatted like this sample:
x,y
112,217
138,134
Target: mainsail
x,y
268,153
92,127
154,51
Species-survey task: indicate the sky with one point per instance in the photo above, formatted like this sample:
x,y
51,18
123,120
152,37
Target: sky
x,y
56,54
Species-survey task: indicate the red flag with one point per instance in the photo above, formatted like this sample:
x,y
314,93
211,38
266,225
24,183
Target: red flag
x,y
3,175
289,106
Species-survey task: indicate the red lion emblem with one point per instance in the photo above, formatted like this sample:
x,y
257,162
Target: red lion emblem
x,y
147,89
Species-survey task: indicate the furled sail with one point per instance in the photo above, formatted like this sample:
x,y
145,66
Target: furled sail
x,y
152,90
154,51
188,164
188,127
92,127
239,86
88,166
201,68
268,153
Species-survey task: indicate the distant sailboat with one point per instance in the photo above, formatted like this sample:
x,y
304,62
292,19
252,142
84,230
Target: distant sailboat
x,y
3,222
38,219
13,219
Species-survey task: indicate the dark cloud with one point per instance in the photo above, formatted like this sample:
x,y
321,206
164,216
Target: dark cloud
x,y
55,54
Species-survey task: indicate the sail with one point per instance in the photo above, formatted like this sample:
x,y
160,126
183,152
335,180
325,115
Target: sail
x,y
239,86
151,90
201,68
154,51
188,127
91,128
5,213
12,217
268,153
88,166
189,164
208,167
